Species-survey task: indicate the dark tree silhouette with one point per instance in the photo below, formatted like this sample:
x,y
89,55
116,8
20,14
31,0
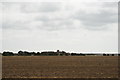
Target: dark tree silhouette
x,y
7,54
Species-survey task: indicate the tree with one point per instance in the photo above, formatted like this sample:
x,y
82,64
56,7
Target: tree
x,y
8,54
20,52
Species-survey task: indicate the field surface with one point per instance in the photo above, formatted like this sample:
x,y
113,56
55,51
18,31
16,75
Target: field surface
x,y
60,67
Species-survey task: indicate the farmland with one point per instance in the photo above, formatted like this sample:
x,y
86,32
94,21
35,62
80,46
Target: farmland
x,y
60,67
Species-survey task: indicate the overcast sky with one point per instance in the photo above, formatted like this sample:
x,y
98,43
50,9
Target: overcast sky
x,y
71,26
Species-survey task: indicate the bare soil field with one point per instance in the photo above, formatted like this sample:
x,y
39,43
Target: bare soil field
x,y
60,67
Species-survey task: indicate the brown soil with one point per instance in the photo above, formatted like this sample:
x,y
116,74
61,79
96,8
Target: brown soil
x,y
60,67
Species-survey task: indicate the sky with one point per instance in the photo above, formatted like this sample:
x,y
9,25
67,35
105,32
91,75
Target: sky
x,y
71,26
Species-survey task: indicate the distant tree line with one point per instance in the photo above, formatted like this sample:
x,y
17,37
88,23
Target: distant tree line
x,y
50,53
8,54
45,53
109,54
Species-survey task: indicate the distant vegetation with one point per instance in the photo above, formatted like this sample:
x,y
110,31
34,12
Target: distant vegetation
x,y
52,53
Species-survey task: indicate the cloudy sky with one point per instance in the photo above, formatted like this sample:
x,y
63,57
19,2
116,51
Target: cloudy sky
x,y
72,26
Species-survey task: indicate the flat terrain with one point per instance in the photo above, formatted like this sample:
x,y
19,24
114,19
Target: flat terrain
x,y
60,67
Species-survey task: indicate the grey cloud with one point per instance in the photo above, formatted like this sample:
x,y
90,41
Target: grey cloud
x,y
110,5
50,21
41,7
96,20
14,26
53,22
42,18
56,25
18,25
